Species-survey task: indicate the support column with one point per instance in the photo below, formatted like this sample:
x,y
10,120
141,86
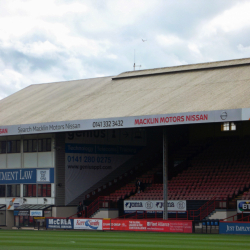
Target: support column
x,y
165,174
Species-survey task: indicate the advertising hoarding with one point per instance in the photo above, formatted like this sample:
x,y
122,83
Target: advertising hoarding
x,y
21,213
243,206
92,155
59,223
170,226
128,122
234,228
88,224
150,225
128,225
38,213
26,175
153,205
13,203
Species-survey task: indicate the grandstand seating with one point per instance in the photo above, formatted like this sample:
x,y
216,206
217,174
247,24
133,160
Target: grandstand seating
x,y
130,188
222,170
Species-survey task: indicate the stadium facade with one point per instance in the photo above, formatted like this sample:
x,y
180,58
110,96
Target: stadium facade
x,y
59,142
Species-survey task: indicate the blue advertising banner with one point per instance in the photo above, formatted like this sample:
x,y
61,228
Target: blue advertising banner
x,y
59,223
26,175
234,228
101,149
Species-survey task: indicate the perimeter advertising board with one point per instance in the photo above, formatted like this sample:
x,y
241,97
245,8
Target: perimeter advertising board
x,y
150,225
88,224
92,155
59,223
243,206
131,206
234,228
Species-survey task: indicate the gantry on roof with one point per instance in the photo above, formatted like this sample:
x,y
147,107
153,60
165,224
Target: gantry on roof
x,y
190,88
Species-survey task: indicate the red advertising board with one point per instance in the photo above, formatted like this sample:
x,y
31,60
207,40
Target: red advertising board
x,y
169,226
129,225
148,225
106,224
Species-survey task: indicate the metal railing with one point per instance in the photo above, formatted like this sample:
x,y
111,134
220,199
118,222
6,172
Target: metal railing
x,y
100,202
235,217
208,208
80,214
198,214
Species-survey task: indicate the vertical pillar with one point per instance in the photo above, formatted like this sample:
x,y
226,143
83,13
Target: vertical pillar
x,y
165,174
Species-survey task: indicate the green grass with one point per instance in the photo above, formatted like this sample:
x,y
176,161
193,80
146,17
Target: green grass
x,y
27,240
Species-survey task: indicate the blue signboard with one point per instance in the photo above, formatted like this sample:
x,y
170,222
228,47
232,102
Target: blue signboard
x,y
26,175
234,228
101,149
60,223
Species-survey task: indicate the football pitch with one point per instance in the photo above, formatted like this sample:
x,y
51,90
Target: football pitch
x,y
34,240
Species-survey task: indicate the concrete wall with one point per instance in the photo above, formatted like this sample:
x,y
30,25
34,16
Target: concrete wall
x,y
106,213
63,211
9,219
222,214
2,217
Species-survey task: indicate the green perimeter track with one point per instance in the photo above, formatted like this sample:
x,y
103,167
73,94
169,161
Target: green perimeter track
x,y
34,240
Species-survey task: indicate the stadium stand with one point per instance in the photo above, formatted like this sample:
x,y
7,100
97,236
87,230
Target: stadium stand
x,y
222,170
191,103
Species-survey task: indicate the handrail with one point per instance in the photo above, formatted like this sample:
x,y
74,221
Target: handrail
x,y
241,219
207,208
232,216
82,212
100,202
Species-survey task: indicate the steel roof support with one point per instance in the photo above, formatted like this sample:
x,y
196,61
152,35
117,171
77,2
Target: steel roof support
x,y
165,173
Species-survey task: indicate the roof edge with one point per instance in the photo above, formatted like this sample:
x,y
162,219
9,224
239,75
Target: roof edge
x,y
183,68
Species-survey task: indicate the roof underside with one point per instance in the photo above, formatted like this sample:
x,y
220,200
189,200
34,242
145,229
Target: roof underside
x,y
191,88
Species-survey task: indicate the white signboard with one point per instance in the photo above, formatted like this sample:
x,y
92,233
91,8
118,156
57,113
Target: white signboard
x,y
243,206
89,224
38,213
42,175
152,205
13,203
92,155
128,122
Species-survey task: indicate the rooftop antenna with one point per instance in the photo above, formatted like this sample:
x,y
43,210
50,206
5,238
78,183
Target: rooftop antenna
x,y
134,66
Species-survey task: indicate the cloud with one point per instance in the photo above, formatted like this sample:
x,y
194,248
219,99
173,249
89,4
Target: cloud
x,y
58,40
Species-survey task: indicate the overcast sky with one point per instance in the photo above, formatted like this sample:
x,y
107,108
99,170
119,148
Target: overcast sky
x,y
58,40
